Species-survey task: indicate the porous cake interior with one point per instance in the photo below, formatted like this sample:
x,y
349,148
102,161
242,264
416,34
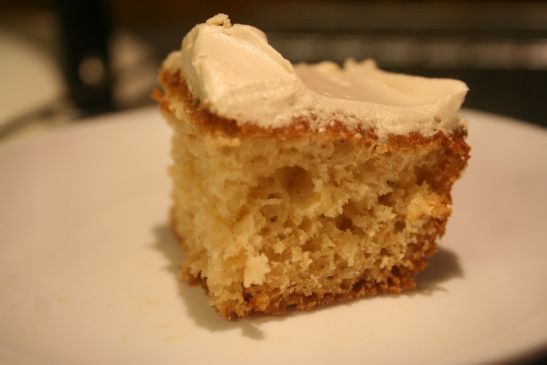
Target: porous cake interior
x,y
269,223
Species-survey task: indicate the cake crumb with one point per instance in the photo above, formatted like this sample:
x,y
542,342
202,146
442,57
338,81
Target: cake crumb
x,y
256,268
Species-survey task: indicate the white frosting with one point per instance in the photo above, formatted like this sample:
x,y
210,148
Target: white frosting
x,y
236,74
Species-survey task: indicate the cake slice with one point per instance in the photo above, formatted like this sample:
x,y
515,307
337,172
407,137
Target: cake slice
x,y
296,186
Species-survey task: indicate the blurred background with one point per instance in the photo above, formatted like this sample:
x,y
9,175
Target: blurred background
x,y
63,60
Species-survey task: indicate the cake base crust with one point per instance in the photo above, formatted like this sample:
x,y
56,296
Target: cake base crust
x,y
267,301
261,299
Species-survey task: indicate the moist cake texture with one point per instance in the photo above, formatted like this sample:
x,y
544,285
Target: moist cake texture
x,y
295,186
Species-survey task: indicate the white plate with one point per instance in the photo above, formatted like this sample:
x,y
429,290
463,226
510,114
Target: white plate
x,y
88,265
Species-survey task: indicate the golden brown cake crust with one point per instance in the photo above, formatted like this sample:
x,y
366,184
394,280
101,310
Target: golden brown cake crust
x,y
260,298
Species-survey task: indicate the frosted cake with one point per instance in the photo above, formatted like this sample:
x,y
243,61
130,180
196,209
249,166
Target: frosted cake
x,y
301,185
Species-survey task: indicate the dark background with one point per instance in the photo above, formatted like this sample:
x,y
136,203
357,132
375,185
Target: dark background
x,y
498,48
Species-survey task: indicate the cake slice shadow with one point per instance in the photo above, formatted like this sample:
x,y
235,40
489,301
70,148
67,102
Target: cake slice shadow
x,y
194,298
442,266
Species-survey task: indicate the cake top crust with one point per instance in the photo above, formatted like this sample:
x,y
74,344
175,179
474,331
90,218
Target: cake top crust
x,y
234,73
